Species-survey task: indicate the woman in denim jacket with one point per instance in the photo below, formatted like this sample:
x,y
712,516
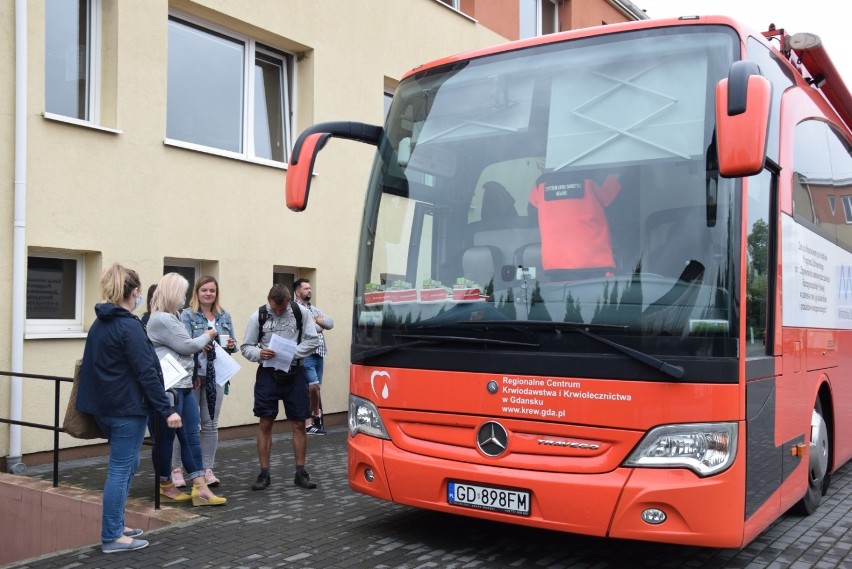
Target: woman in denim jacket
x,y
204,312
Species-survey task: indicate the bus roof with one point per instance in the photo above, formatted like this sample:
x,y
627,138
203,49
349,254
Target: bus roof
x,y
811,55
576,34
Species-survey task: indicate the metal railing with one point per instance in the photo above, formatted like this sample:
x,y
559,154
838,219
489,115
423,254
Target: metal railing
x,y
57,381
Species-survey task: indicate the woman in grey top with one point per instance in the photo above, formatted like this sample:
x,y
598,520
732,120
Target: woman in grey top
x,y
169,336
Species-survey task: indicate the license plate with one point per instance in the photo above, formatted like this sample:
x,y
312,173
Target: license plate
x,y
489,498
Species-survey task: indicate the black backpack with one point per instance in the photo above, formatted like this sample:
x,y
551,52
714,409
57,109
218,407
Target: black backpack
x,y
263,316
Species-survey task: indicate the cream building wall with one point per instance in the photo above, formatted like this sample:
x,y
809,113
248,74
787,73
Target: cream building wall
x,y
121,195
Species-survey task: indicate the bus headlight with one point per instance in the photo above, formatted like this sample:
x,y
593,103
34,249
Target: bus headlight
x,y
705,448
364,418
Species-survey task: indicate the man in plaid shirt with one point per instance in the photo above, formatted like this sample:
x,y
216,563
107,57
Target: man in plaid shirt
x,y
314,363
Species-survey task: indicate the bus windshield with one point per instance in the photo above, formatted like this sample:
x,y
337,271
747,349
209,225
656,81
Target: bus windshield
x,y
552,202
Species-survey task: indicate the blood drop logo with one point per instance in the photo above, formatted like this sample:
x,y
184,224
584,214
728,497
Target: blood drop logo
x,y
379,383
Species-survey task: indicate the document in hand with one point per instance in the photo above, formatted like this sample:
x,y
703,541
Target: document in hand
x,y
172,371
284,350
226,366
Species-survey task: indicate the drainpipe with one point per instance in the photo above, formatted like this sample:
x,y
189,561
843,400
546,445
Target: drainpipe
x,y
19,243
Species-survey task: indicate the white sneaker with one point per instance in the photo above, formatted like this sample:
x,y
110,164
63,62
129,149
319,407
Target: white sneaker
x,y
177,478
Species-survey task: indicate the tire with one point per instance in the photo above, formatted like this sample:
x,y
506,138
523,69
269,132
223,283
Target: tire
x,y
818,455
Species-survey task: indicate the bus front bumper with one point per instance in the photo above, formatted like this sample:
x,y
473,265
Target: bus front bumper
x,y
698,511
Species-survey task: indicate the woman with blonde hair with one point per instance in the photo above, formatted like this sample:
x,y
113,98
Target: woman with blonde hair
x,y
204,313
168,336
120,385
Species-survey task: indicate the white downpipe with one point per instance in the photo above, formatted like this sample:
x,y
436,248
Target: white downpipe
x,y
19,242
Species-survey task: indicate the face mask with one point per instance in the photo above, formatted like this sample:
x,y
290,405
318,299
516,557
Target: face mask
x,y
138,302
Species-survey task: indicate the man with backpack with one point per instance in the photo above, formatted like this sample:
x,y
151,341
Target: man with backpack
x,y
280,317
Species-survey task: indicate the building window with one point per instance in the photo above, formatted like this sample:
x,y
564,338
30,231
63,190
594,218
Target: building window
x,y
72,47
832,203
847,207
54,293
285,275
454,4
549,17
228,93
538,17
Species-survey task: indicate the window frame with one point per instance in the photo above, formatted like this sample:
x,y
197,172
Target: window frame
x,y
93,74
251,48
59,327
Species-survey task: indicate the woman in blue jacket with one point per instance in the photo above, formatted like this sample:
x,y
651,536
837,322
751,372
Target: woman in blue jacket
x,y
120,384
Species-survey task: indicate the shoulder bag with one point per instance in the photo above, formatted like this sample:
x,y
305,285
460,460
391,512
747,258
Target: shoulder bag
x,y
78,424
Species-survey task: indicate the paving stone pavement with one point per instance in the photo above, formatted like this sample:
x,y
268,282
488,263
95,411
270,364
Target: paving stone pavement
x,y
334,528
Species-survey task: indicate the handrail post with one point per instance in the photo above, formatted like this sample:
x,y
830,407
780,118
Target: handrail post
x,y
56,385
155,456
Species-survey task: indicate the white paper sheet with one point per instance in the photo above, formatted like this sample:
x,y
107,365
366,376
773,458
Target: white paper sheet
x,y
224,364
172,371
284,350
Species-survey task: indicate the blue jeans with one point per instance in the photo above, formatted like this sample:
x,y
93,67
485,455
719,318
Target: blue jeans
x,y
186,405
125,435
313,368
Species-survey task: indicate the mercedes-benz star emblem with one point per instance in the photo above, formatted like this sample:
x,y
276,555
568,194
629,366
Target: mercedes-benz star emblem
x,y
492,438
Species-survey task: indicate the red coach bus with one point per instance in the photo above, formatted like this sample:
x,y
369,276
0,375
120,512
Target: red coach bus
x,y
605,282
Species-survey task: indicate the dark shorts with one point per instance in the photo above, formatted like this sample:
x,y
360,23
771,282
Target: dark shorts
x,y
272,386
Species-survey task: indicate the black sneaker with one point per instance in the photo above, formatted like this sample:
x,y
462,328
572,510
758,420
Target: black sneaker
x,y
316,429
304,480
262,482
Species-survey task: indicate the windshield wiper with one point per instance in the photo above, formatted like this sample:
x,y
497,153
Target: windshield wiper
x,y
525,325
420,339
655,363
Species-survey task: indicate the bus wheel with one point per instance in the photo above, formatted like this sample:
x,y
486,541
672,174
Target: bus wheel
x,y
818,477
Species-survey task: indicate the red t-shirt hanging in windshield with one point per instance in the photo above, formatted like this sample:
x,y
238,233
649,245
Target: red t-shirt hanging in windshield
x,y
572,221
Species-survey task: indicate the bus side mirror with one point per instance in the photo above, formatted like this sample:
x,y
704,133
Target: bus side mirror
x,y
301,169
743,101
310,142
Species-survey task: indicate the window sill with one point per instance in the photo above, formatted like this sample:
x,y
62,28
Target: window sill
x,y
78,122
54,335
224,153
